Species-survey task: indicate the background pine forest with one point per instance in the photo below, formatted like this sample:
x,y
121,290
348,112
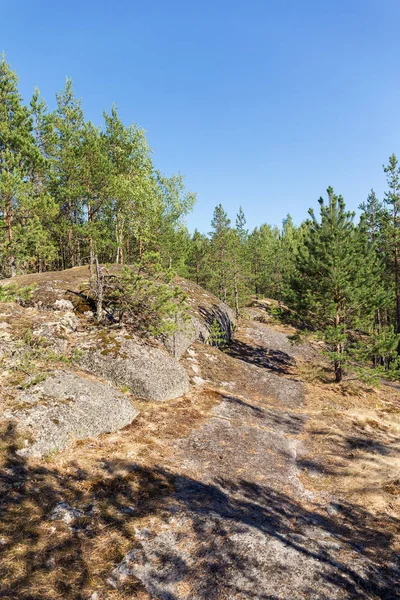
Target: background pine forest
x,y
74,194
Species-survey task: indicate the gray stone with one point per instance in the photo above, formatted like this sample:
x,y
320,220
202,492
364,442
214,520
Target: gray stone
x,y
150,373
67,406
63,304
53,334
69,321
66,513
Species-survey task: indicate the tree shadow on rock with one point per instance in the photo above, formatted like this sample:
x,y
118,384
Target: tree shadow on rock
x,y
137,527
275,360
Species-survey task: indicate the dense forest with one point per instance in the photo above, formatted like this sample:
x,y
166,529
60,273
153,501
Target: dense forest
x,y
72,193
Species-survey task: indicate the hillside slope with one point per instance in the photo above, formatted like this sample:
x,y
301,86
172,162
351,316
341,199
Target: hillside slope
x,y
264,481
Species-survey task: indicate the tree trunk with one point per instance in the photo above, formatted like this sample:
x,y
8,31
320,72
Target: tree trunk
x,y
99,290
397,280
338,371
10,239
120,253
197,271
91,248
236,291
339,351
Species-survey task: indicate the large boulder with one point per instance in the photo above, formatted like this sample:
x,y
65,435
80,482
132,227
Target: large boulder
x,y
149,372
204,308
67,406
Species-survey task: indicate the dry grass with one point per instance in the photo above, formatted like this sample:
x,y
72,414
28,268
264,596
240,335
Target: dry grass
x,y
110,480
353,454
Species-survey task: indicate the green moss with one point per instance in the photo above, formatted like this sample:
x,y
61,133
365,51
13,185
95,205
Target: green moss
x,y
108,343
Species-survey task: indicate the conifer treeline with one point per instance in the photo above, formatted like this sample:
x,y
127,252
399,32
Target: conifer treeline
x,y
72,194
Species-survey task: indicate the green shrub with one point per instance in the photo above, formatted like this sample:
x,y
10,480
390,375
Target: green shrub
x,y
145,298
14,293
217,337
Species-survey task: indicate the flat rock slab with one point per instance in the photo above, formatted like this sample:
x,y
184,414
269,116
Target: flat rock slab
x,y
243,377
238,524
241,550
238,527
279,342
67,406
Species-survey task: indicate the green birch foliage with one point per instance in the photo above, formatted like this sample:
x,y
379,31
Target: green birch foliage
x,y
95,172
132,190
172,239
66,184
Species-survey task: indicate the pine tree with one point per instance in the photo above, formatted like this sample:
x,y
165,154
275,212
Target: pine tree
x,y
263,248
18,153
290,239
392,199
65,172
375,221
198,259
240,261
334,276
220,241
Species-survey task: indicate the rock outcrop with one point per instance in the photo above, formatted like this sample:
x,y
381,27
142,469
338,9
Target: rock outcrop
x,y
65,407
150,373
204,308
62,290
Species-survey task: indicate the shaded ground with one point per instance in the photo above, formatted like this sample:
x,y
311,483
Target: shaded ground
x,y
253,486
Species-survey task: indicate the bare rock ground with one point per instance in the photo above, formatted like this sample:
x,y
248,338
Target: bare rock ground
x,y
244,489
242,525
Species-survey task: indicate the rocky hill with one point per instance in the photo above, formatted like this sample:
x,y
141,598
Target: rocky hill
x,y
176,470
61,362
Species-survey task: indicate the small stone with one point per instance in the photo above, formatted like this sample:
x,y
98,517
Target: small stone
x,y
198,380
332,509
66,513
63,305
128,510
69,321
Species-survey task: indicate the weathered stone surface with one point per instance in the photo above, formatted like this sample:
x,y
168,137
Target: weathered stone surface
x,y
204,307
66,513
63,304
278,342
67,406
150,373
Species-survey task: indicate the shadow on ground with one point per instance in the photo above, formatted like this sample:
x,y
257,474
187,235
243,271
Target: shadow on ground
x,y
351,552
275,360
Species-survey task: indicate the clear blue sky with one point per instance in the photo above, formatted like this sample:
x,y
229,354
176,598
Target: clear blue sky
x,y
261,104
